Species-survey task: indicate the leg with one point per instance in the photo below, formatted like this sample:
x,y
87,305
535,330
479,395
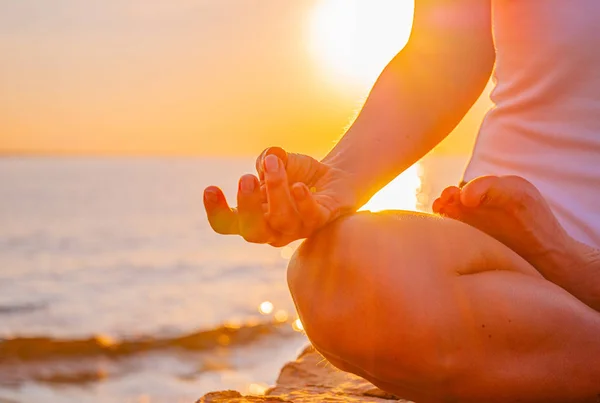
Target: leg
x,y
434,310
513,211
510,209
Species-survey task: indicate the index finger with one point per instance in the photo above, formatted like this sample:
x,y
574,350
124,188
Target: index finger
x,y
277,151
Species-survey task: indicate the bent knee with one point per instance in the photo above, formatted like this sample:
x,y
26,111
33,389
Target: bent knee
x,y
377,294
359,288
319,278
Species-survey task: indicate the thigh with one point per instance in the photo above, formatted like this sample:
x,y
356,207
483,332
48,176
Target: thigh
x,y
427,303
392,267
408,249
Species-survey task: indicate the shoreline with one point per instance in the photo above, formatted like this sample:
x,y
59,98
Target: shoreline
x,y
310,379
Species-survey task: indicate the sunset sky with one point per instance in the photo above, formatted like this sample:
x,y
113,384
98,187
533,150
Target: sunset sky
x,y
193,77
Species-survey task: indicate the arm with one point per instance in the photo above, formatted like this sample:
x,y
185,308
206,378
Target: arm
x,y
419,98
422,94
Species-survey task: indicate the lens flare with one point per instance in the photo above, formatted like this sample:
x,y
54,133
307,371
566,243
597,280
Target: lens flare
x,y
281,316
266,308
355,39
298,326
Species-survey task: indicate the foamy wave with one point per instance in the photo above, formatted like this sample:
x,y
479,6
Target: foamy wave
x,y
47,348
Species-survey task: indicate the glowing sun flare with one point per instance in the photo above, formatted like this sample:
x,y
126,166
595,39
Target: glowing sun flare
x,y
357,38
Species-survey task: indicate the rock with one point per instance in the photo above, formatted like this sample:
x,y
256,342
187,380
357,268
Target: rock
x,y
231,396
311,379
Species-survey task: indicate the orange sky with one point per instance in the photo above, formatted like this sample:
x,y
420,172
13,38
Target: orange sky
x,y
193,77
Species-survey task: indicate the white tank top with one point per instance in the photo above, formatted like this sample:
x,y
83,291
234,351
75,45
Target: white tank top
x,y
545,125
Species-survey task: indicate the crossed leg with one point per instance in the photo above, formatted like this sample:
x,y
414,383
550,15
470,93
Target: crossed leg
x,y
513,211
434,310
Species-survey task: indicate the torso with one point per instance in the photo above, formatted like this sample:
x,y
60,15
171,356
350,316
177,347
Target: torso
x,y
545,125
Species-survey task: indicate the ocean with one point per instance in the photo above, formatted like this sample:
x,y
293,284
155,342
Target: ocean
x,y
113,288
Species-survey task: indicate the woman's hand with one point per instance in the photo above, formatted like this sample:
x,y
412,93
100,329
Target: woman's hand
x,y
293,196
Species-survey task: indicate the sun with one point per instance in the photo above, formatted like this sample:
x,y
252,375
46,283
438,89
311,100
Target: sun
x,y
355,39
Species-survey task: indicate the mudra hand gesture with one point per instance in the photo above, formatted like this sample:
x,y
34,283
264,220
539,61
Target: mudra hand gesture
x,y
292,196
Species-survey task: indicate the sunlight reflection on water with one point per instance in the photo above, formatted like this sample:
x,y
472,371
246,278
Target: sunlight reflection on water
x,y
121,249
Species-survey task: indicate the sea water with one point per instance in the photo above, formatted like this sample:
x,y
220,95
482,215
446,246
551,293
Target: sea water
x,y
113,288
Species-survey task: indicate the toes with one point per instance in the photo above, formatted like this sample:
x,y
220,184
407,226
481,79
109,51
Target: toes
x,y
477,191
497,191
437,206
450,195
453,210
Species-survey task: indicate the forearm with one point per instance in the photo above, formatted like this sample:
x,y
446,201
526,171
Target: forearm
x,y
418,99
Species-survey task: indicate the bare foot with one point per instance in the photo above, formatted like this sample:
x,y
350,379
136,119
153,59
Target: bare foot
x,y
512,210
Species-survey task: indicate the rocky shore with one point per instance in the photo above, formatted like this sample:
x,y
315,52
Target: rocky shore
x,y
310,379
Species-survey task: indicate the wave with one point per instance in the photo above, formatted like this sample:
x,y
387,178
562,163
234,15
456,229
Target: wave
x,y
20,309
30,349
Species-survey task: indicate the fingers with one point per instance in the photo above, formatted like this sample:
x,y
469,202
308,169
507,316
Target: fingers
x,y
282,215
221,217
263,193
252,224
267,212
313,214
277,151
